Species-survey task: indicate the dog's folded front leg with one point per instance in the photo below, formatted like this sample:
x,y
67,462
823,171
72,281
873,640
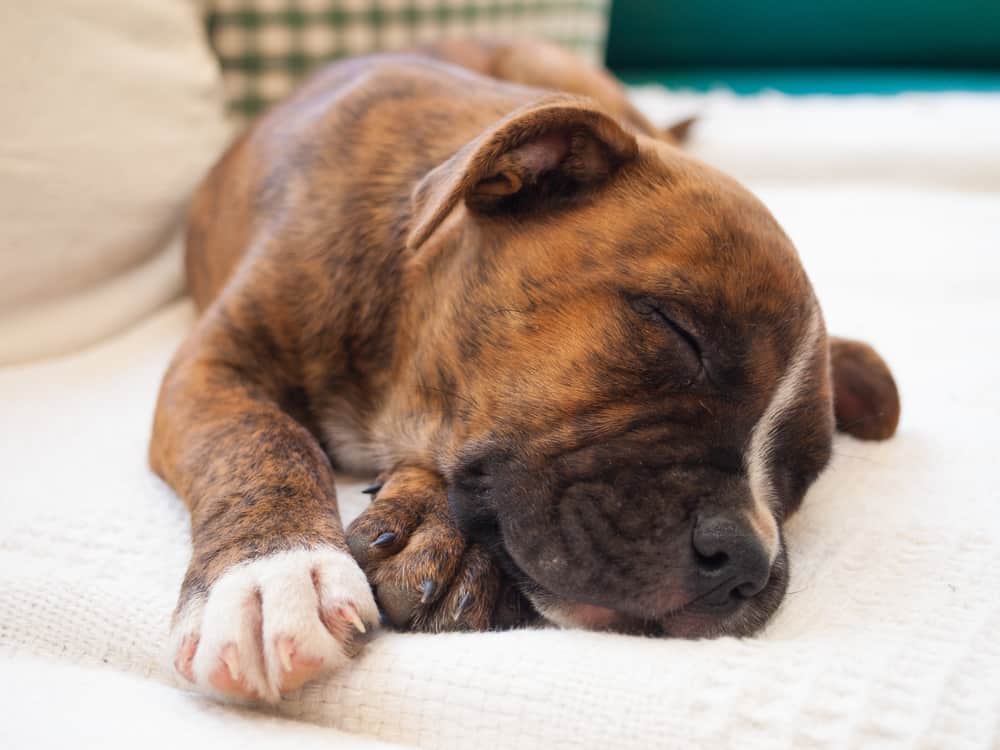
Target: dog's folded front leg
x,y
426,576
272,596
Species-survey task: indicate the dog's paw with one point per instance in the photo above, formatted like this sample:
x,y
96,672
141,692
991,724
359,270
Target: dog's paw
x,y
425,575
269,625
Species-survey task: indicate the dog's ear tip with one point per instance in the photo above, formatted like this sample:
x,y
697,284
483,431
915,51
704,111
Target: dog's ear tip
x,y
865,400
679,131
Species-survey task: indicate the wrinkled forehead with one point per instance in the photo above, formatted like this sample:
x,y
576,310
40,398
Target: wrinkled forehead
x,y
702,244
722,255
673,228
671,221
703,234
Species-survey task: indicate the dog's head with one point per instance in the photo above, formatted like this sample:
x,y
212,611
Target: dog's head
x,y
634,372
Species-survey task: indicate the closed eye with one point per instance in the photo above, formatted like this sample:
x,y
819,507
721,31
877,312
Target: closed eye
x,y
649,308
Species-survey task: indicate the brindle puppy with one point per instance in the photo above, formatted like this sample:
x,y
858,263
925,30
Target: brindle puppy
x,y
589,368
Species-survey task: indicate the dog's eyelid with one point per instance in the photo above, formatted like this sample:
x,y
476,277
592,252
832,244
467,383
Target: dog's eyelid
x,y
650,307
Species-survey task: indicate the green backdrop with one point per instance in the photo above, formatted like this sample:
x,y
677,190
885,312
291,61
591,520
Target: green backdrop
x,y
828,45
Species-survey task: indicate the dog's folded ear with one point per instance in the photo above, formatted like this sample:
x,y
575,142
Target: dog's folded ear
x,y
865,398
548,153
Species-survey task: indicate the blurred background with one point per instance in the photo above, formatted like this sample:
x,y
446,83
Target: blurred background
x,y
114,109
822,46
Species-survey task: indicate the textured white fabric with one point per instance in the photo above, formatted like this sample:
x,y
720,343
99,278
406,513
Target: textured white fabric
x,y
60,705
112,111
888,637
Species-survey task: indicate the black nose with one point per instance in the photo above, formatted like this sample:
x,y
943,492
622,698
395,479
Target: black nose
x,y
731,563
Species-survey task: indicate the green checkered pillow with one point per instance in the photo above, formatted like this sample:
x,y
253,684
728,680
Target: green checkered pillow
x,y
267,46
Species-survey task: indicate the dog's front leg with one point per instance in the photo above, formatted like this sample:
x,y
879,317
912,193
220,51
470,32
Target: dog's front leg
x,y
426,576
272,596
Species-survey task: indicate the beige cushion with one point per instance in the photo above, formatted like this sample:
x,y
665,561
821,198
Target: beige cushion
x,y
112,112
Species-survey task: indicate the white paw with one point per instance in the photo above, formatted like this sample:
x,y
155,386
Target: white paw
x,y
271,624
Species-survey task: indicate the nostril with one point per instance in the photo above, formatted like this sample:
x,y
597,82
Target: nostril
x,y
711,563
726,550
711,543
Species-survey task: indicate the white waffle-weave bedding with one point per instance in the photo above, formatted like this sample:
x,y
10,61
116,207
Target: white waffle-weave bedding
x,y
890,636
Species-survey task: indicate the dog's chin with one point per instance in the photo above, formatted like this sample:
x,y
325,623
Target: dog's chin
x,y
691,620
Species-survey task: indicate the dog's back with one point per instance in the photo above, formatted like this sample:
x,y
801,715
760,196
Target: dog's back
x,y
333,149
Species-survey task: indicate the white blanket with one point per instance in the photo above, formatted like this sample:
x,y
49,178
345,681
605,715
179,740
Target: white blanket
x,y
889,637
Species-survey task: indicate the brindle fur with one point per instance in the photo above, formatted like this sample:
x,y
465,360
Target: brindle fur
x,y
389,283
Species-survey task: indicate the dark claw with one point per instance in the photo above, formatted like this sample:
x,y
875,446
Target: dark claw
x,y
463,602
386,537
428,588
372,489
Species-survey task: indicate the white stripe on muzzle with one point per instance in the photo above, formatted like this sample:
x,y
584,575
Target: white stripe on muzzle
x,y
762,438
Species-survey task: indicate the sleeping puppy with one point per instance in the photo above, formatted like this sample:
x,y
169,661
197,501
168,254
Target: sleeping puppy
x,y
589,370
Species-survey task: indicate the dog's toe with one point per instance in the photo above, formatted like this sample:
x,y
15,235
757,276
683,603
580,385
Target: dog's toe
x,y
469,600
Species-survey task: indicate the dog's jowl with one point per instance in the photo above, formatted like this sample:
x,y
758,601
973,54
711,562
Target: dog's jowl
x,y
588,370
